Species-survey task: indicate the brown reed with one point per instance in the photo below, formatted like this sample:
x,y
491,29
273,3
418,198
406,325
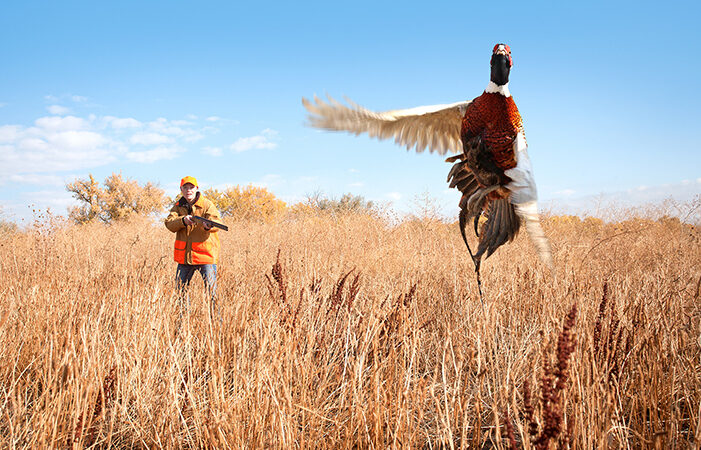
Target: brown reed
x,y
553,387
404,358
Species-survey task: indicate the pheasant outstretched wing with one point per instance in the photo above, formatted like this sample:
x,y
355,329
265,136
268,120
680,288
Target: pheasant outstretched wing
x,y
435,127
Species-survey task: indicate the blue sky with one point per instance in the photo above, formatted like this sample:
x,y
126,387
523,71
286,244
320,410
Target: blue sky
x,y
158,90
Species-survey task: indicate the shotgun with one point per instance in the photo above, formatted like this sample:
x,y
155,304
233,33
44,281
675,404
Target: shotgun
x,y
211,223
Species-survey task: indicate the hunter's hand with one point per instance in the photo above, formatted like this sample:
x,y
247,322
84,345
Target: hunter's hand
x,y
188,220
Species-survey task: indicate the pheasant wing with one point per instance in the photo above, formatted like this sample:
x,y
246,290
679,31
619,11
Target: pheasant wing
x,y
436,127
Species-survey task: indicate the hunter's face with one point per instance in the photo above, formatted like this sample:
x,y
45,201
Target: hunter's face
x,y
189,191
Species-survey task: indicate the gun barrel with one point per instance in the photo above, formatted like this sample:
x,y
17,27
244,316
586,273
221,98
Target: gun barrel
x,y
212,223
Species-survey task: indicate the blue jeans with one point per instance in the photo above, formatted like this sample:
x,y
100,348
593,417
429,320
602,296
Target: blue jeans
x,y
184,274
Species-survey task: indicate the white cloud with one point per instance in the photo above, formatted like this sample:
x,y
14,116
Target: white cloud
x,y
265,140
253,142
74,98
33,144
121,123
177,128
2,104
150,139
212,151
163,125
357,184
35,178
9,133
58,110
157,154
76,140
208,129
213,118
191,117
38,152
66,152
53,144
396,196
193,137
56,123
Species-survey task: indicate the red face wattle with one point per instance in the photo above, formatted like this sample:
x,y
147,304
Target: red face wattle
x,y
504,50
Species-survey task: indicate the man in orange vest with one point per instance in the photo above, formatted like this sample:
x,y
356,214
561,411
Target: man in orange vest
x,y
196,244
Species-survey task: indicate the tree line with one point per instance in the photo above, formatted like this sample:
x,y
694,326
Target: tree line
x,y
119,198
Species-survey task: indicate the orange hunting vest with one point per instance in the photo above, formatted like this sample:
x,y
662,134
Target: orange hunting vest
x,y
194,244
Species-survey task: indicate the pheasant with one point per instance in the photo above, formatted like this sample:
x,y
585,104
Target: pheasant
x,y
491,168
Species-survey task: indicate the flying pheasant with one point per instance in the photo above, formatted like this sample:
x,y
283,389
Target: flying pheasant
x,y
491,169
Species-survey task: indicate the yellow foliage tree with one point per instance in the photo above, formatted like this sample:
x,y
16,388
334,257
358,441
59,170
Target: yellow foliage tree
x,y
117,200
89,193
124,197
246,203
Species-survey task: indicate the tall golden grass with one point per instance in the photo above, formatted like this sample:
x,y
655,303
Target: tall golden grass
x,y
346,332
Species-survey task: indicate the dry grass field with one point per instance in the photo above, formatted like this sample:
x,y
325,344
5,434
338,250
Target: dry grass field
x,y
361,335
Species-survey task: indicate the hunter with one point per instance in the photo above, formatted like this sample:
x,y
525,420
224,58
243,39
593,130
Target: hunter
x,y
196,242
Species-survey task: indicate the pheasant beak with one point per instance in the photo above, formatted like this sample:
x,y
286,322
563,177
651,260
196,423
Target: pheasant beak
x,y
501,50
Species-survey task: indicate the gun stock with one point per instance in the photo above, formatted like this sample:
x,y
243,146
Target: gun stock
x,y
212,223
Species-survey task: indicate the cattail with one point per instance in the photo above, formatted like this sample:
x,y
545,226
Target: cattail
x,y
553,397
278,276
510,431
77,433
615,370
410,295
353,290
528,406
546,393
108,387
551,429
337,294
626,351
600,318
612,335
565,347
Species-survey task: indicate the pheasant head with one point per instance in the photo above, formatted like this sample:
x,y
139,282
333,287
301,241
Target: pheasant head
x,y
501,64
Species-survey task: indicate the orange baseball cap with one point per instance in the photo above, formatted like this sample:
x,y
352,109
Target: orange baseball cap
x,y
192,180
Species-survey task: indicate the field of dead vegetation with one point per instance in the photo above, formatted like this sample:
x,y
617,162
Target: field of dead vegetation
x,y
348,332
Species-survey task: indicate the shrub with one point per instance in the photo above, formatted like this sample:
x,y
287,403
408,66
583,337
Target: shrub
x,y
348,203
246,203
117,200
